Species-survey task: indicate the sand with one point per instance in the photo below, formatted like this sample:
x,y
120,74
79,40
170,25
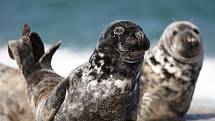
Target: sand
x,y
14,106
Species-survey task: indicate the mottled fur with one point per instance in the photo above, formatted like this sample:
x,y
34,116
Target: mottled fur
x,y
168,80
106,88
46,90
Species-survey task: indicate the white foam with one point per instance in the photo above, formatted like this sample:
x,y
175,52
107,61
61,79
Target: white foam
x,y
205,88
66,60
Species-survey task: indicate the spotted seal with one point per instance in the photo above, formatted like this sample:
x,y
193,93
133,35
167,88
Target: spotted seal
x,y
105,88
13,95
45,92
170,72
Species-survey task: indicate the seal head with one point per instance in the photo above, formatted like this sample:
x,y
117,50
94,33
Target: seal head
x,y
126,39
182,40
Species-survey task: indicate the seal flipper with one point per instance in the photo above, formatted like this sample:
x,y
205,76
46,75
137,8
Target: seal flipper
x,y
35,40
53,102
46,88
26,30
27,51
25,34
37,46
45,60
22,53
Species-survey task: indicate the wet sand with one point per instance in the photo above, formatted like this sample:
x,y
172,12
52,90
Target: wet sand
x,y
201,113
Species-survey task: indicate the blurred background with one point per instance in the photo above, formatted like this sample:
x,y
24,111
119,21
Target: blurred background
x,y
79,23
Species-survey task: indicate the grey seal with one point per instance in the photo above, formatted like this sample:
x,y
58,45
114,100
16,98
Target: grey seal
x,y
105,88
13,95
43,84
170,72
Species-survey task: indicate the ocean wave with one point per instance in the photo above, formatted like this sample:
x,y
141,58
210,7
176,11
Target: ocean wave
x,y
66,60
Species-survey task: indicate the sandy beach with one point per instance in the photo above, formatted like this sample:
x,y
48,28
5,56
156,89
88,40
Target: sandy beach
x,y
14,107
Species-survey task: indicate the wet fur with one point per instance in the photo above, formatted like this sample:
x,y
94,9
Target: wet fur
x,y
46,90
106,88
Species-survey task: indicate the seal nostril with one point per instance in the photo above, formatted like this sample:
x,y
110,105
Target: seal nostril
x,y
174,33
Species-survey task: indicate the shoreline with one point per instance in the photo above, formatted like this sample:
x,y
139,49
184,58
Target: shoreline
x,y
200,113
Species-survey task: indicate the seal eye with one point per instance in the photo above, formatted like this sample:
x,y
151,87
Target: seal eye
x,y
139,35
196,31
119,30
174,33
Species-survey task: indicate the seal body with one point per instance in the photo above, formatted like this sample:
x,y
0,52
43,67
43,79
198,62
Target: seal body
x,y
13,95
45,92
169,74
105,88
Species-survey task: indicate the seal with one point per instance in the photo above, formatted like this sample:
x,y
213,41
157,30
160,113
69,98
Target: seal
x,y
170,72
43,84
13,95
105,88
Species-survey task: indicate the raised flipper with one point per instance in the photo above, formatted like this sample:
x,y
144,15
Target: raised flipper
x,y
46,88
25,34
22,53
26,30
37,45
26,51
29,52
53,102
45,60
34,40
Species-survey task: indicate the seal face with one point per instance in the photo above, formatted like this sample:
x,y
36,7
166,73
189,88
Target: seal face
x,y
182,40
127,39
170,72
106,88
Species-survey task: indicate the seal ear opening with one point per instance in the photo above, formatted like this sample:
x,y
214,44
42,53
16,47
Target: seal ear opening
x,y
45,60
